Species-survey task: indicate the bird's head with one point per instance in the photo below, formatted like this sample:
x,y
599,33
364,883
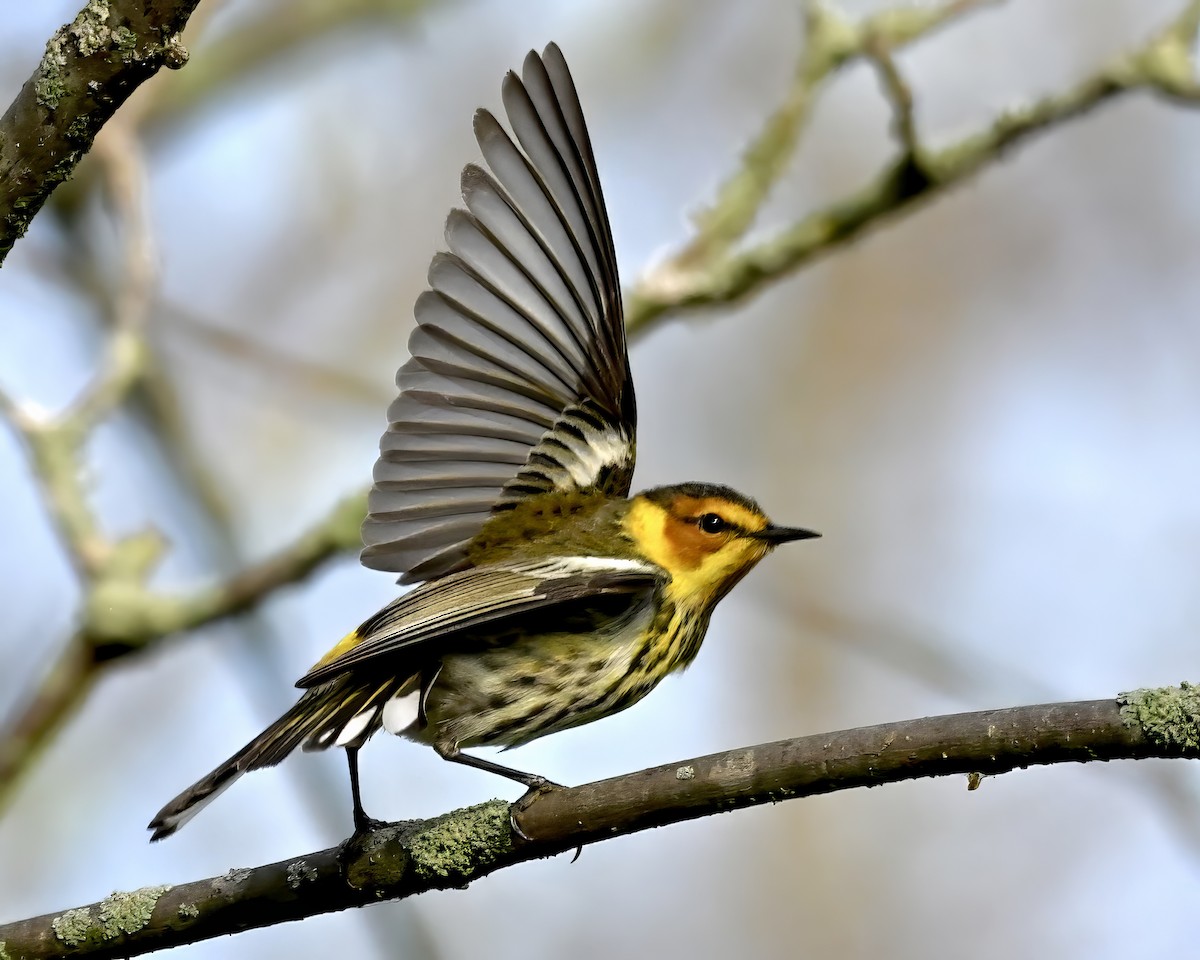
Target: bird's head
x,y
705,535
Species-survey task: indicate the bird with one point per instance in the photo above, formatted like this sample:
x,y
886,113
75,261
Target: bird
x,y
546,596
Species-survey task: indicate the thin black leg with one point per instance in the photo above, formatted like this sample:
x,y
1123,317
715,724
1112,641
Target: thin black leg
x,y
362,823
451,753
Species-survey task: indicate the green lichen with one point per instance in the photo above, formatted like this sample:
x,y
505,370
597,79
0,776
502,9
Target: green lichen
x,y
127,913
188,911
174,53
51,86
73,927
88,34
3,952
123,39
1167,715
81,129
459,843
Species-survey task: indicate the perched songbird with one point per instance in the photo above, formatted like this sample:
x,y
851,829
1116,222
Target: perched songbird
x,y
547,599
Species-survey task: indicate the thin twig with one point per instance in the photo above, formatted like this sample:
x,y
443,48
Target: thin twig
x,y
900,96
832,41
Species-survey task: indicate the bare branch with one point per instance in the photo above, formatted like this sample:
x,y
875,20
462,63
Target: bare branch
x,y
453,850
62,688
128,617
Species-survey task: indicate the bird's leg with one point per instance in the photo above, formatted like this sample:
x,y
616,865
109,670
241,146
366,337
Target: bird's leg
x,y
450,751
362,823
535,784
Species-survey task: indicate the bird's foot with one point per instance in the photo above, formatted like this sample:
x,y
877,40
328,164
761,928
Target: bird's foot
x,y
538,786
364,825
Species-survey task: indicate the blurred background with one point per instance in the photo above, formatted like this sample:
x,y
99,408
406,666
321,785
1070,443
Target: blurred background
x,y
989,407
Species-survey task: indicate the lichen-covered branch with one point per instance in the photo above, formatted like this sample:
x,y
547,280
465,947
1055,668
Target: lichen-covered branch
x,y
400,860
90,67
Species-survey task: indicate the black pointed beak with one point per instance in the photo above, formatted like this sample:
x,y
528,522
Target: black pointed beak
x,y
776,535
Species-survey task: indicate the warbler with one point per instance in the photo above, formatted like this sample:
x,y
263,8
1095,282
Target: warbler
x,y
547,597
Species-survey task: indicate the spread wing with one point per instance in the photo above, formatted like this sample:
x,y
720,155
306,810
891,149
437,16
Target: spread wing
x,y
479,598
519,380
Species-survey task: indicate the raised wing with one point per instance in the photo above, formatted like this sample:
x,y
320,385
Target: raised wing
x,y
519,380
476,598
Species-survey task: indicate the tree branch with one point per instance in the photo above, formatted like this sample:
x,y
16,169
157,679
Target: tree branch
x,y
90,67
1165,64
403,859
122,616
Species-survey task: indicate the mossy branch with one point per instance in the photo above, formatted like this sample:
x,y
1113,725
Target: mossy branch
x,y
402,859
90,67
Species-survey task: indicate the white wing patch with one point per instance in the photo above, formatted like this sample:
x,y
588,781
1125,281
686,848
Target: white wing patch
x,y
355,726
603,450
572,566
401,712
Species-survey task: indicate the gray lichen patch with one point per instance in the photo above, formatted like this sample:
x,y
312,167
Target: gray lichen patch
x,y
125,913
50,85
90,28
90,33
299,872
175,54
459,843
1167,715
4,951
73,927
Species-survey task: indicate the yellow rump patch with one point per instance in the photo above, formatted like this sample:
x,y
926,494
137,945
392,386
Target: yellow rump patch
x,y
346,644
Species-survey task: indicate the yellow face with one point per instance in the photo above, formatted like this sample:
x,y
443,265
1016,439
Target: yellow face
x,y
707,543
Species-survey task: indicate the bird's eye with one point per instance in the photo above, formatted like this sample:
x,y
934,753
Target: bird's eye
x,y
712,523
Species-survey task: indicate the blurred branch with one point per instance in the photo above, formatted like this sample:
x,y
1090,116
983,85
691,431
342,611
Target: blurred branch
x,y
403,859
831,42
705,274
266,34
121,615
90,67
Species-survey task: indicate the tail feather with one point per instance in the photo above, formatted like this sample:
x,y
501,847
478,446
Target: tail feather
x,y
341,713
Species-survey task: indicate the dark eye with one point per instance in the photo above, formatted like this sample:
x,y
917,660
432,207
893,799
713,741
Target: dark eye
x,y
712,523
